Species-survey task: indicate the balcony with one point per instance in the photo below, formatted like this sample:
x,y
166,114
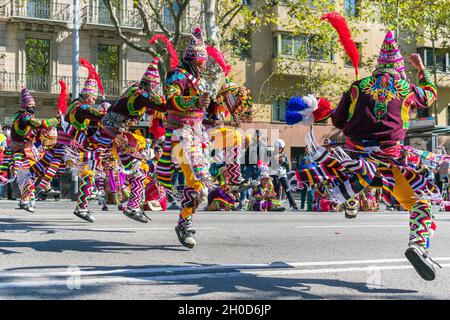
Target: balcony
x,y
101,16
13,82
42,11
422,123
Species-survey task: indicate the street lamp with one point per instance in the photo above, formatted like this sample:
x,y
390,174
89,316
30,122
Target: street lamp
x,y
75,59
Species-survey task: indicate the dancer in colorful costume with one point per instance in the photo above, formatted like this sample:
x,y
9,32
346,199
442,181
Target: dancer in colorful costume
x,y
186,103
141,97
374,114
73,131
17,158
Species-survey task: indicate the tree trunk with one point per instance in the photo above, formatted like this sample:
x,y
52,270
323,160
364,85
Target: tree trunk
x,y
212,31
436,104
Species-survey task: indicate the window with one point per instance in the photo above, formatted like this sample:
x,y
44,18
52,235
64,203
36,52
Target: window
x,y
104,17
169,21
37,67
448,115
279,110
351,8
442,58
309,47
109,68
39,9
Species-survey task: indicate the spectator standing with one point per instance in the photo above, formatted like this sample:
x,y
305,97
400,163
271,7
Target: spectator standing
x,y
279,167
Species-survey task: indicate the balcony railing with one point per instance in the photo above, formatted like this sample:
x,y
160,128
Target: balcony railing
x,y
101,16
37,10
50,84
420,123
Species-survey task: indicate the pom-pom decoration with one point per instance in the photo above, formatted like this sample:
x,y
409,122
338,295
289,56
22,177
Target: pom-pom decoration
x,y
345,37
62,99
324,110
172,53
301,109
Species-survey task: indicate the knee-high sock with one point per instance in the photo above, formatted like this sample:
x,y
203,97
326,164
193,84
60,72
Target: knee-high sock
x,y
20,162
27,193
100,183
52,170
41,166
420,224
85,190
137,191
232,170
6,163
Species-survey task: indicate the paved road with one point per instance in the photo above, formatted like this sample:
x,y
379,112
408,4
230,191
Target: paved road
x,y
240,255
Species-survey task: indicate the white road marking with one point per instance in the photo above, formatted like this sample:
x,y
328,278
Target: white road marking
x,y
356,226
278,265
185,277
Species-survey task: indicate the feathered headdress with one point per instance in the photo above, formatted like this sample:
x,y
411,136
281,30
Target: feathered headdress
x,y
93,75
172,53
62,99
220,59
307,110
345,37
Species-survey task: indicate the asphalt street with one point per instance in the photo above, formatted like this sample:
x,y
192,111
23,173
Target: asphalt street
x,y
52,254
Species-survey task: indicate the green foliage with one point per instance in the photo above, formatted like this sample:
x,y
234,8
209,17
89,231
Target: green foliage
x,y
313,53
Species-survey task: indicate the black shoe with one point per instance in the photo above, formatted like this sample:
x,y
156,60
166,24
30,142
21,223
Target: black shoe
x,y
186,236
105,209
421,262
136,214
84,214
52,192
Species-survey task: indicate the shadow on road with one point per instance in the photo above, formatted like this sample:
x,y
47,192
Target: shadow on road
x,y
81,245
239,285
10,225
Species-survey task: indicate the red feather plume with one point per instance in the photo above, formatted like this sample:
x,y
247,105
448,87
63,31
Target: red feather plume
x,y
62,99
170,48
92,71
345,37
219,58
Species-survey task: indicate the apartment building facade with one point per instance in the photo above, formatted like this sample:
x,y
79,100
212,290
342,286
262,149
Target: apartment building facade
x,y
275,41
36,51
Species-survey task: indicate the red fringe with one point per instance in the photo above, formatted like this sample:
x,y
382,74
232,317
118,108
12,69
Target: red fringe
x,y
170,48
92,71
345,37
219,58
62,99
